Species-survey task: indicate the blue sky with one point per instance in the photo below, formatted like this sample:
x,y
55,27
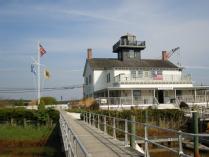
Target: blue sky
x,y
66,28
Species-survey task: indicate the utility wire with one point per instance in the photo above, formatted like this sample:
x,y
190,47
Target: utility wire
x,y
25,90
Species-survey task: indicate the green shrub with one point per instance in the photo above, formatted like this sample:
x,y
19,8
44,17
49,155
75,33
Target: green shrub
x,y
19,102
48,100
41,115
164,118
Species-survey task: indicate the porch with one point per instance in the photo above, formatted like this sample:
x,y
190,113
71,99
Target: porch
x,y
155,98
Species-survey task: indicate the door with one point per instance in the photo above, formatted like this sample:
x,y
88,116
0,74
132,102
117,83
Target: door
x,y
160,96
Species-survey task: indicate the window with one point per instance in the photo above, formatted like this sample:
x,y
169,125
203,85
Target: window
x,y
90,79
120,56
136,93
133,73
146,73
140,73
108,77
166,94
131,54
178,93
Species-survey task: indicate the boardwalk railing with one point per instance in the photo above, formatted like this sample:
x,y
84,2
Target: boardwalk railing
x,y
72,145
131,131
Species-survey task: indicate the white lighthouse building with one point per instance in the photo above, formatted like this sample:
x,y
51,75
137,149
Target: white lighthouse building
x,y
131,81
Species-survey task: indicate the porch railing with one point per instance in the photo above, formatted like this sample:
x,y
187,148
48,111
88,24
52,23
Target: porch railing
x,y
127,100
166,79
193,99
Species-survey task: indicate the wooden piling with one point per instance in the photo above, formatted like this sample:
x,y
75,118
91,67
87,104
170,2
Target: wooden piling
x,y
195,131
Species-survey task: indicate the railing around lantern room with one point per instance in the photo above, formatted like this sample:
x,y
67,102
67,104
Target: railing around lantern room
x,y
127,43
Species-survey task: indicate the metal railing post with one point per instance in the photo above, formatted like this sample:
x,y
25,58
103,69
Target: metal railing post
x,y
126,133
75,151
84,116
93,123
133,132
87,117
90,118
180,144
114,128
98,121
105,124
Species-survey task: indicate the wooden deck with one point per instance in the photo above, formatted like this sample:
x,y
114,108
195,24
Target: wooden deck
x,y
96,142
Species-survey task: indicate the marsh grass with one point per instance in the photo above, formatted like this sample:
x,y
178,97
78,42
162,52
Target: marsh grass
x,y
30,132
27,152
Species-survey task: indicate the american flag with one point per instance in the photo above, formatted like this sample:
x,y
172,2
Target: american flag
x,y
157,75
42,50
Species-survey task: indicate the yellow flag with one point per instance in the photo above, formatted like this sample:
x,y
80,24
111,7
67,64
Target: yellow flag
x,y
47,74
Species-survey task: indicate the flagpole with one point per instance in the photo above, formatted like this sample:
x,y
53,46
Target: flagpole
x,y
38,74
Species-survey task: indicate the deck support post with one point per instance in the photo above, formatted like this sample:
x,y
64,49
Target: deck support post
x,y
175,93
195,95
195,131
132,97
154,93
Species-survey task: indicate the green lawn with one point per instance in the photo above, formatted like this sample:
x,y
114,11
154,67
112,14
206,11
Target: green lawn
x,y
8,132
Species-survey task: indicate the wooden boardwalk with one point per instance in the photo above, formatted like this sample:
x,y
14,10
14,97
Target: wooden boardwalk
x,y
96,142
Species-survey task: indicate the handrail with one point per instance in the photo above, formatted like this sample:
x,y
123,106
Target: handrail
x,y
90,117
154,126
75,137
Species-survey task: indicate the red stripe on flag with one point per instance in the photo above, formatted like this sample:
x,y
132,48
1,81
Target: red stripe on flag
x,y
42,50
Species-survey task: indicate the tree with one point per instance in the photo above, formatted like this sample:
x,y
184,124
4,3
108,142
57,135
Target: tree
x,y
48,100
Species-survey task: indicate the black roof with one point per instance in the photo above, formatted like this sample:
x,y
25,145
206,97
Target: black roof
x,y
108,63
